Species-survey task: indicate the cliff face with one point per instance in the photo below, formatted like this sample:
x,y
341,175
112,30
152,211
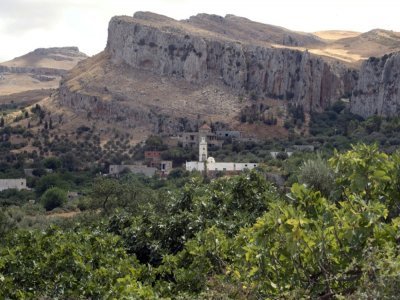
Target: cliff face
x,y
203,56
378,88
167,47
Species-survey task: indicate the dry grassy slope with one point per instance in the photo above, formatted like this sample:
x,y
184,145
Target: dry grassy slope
x,y
53,58
243,29
17,83
26,98
355,47
334,35
376,42
348,46
64,58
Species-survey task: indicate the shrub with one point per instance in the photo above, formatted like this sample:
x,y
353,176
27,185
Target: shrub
x,y
316,174
53,197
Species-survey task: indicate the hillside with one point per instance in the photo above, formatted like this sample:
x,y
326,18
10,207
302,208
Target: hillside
x,y
246,30
158,75
39,69
167,75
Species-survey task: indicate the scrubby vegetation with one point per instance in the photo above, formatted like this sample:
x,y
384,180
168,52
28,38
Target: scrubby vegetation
x,y
335,236
313,224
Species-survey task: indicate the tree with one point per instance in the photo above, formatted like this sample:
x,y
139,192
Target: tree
x,y
106,193
53,163
316,174
53,197
48,181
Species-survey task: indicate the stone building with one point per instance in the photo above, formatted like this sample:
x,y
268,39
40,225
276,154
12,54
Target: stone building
x,y
228,134
208,164
191,139
165,167
152,158
18,184
136,169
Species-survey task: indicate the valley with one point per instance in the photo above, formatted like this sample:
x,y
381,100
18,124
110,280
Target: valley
x,y
205,158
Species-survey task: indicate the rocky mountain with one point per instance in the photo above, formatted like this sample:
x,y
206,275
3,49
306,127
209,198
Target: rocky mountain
x,y
269,72
161,75
39,69
164,75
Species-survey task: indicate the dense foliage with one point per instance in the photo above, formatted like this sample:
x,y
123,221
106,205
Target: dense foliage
x,y
231,238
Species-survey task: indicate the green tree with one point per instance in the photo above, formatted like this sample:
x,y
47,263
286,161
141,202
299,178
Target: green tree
x,y
69,264
53,197
106,194
316,174
53,163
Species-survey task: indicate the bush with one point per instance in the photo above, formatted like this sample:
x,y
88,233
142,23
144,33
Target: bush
x,y
316,174
53,197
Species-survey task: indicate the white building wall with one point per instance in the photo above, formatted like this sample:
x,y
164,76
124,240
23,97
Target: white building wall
x,y
19,184
219,166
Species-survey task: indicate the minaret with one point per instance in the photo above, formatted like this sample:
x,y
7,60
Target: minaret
x,y
203,149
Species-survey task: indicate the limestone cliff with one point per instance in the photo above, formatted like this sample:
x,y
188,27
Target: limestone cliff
x,y
378,88
171,48
166,75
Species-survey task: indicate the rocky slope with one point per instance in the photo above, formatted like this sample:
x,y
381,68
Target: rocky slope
x,y
378,88
160,75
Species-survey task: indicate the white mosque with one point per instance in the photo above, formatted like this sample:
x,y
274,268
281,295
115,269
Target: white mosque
x,y
206,163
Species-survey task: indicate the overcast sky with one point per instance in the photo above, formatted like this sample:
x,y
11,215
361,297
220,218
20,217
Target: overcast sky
x,y
29,24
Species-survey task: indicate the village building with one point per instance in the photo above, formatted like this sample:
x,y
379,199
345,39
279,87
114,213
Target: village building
x,y
208,164
136,169
30,172
18,184
228,134
275,154
152,158
303,148
191,139
162,168
165,167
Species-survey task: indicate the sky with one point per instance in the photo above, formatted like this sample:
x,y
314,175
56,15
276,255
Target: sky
x,y
29,24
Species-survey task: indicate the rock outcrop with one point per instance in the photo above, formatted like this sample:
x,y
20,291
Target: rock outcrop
x,y
171,48
32,70
378,88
